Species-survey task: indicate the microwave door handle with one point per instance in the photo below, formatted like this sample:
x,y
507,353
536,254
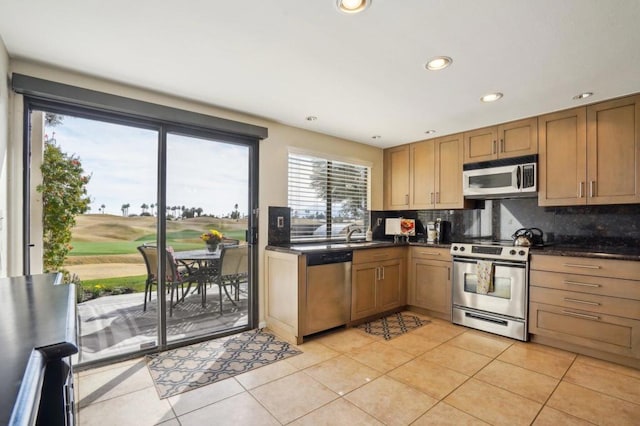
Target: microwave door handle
x,y
519,177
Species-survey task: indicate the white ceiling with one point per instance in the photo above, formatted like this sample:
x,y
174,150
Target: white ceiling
x,y
361,75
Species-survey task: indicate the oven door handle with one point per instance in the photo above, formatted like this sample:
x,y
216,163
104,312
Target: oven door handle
x,y
495,263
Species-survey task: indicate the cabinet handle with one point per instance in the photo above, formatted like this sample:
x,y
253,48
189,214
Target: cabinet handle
x,y
427,253
437,197
580,189
592,191
380,256
575,314
501,145
377,273
494,147
406,199
431,198
584,302
382,272
574,265
449,273
581,284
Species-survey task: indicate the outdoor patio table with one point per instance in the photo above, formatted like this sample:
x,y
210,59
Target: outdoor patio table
x,y
201,264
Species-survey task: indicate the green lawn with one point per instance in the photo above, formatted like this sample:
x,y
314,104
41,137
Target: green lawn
x,y
175,240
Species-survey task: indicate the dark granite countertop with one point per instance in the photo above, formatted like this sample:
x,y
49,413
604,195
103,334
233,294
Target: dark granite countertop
x,y
604,252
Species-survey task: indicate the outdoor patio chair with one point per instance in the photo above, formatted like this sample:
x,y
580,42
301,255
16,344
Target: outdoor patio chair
x,y
233,271
174,277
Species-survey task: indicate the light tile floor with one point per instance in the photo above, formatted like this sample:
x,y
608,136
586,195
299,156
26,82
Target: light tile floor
x,y
439,374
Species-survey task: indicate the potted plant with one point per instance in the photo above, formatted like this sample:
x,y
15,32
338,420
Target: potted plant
x,y
212,239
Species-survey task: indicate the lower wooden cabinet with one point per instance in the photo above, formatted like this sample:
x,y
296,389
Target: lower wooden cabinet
x,y
587,303
377,281
430,280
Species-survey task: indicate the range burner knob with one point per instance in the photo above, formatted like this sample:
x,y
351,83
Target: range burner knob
x,y
455,248
512,252
521,252
461,248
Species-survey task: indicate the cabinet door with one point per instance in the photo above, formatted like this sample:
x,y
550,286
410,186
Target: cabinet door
x,y
480,145
397,178
422,183
562,161
431,285
390,286
613,151
363,290
448,172
518,138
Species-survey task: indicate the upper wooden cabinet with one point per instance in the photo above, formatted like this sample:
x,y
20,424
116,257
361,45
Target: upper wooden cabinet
x,y
396,178
507,140
591,155
425,175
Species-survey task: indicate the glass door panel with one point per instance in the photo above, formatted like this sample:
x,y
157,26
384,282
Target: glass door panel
x,y
207,204
117,166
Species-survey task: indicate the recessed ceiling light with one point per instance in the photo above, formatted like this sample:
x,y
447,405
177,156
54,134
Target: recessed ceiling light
x,y
583,95
376,137
438,63
430,132
491,97
311,118
353,6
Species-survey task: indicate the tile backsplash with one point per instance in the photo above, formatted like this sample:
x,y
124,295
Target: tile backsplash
x,y
590,226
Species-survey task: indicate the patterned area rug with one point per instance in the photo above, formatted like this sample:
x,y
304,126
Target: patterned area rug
x,y
190,367
393,325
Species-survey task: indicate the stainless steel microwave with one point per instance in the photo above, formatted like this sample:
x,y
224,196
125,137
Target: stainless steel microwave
x,y
504,178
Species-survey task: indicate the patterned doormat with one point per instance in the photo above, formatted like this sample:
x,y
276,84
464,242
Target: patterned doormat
x,y
393,325
190,367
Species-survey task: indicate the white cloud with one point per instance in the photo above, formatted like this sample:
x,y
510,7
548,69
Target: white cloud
x,y
123,163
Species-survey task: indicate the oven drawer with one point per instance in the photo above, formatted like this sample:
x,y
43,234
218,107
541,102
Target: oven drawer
x,y
587,266
586,302
587,284
602,332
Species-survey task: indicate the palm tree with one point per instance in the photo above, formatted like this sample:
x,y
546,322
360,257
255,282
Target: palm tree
x,y
124,209
144,207
151,206
102,207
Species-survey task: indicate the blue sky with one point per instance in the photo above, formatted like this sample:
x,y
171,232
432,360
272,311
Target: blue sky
x,y
123,163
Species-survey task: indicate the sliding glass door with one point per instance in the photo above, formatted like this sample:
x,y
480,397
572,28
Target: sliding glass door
x,y
207,223
128,191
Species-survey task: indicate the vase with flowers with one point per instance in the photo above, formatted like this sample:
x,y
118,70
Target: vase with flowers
x,y
212,239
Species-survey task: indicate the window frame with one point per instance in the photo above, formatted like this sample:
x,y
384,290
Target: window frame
x,y
329,217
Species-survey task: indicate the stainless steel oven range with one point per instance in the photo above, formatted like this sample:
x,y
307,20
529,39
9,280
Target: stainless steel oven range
x,y
491,288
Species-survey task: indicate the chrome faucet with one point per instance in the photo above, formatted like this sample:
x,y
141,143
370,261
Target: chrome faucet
x,y
351,231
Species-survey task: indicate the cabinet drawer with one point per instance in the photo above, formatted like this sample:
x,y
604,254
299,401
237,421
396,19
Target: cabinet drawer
x,y
587,284
376,255
601,332
587,266
586,302
431,253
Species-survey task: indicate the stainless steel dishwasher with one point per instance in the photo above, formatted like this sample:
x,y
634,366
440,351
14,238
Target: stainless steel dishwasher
x,y
327,299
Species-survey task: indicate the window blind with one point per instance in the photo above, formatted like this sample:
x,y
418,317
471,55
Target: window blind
x,y
327,198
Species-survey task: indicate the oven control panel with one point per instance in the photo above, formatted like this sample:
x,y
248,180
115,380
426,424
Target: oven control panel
x,y
498,252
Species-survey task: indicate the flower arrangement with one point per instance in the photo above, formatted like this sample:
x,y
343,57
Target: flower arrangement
x,y
211,237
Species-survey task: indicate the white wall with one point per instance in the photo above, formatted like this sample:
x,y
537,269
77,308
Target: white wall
x,y
273,151
4,140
